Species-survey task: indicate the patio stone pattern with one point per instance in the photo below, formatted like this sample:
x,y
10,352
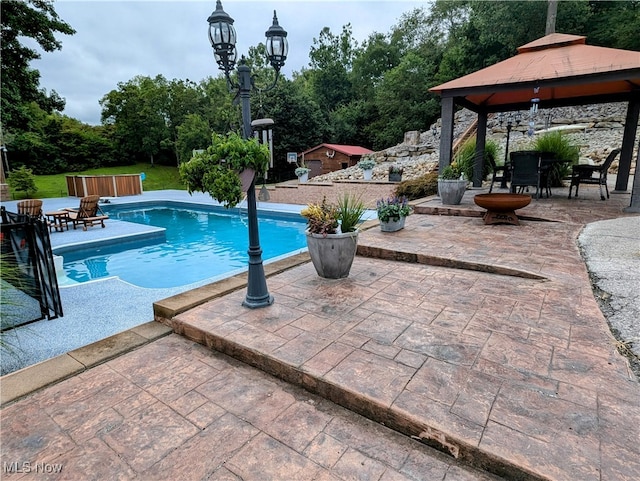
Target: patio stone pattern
x,y
173,409
484,342
505,367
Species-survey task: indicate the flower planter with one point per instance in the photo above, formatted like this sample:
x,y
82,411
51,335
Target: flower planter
x,y
395,177
332,254
392,225
246,177
368,173
451,191
303,178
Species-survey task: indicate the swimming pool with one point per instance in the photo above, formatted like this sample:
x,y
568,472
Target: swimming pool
x,y
200,244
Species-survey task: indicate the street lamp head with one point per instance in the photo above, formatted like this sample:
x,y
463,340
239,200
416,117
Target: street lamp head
x,y
222,36
277,45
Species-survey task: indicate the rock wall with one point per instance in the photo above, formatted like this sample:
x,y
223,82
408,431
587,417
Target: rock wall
x,y
597,129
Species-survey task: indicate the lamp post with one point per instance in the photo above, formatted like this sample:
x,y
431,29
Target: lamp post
x,y
222,36
511,118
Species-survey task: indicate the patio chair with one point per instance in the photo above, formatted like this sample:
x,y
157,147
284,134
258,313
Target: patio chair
x,y
495,170
30,207
592,174
525,171
88,214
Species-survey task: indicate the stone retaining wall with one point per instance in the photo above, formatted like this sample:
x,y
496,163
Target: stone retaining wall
x,y
303,194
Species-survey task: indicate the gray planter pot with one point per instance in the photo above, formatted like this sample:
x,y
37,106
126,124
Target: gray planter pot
x,y
451,191
395,177
392,225
332,255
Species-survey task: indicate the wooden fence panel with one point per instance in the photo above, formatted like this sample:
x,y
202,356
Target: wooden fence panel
x,y
104,185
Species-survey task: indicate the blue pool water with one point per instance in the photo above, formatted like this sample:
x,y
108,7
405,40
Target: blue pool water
x,y
200,244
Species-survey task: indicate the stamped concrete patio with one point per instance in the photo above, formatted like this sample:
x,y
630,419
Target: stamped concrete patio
x,y
484,342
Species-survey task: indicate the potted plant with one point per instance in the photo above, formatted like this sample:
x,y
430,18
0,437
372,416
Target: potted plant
x,y
302,172
395,173
367,164
226,168
558,146
392,213
332,235
451,184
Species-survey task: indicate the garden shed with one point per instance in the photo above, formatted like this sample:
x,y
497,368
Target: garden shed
x,y
325,158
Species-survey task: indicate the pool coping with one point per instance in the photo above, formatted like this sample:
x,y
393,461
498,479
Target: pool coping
x,y
21,383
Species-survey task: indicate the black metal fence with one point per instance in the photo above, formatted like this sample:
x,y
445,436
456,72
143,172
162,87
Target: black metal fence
x,y
27,267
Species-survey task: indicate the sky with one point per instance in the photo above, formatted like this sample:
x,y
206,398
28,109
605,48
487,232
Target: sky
x,y
118,40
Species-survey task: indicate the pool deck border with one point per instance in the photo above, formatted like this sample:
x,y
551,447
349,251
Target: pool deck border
x,y
30,379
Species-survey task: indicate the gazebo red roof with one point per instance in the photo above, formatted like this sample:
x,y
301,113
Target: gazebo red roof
x,y
562,67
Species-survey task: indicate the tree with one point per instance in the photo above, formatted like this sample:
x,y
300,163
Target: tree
x,y
138,111
216,105
299,123
23,180
183,100
193,134
331,61
403,101
35,19
615,24
55,143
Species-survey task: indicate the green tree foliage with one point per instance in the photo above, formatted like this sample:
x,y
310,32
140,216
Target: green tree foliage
x,y
55,143
138,110
299,124
331,61
366,95
193,134
403,101
35,19
22,180
615,24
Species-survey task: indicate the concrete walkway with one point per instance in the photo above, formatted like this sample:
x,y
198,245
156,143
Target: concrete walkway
x,y
485,342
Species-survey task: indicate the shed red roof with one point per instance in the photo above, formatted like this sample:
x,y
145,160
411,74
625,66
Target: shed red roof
x,y
344,149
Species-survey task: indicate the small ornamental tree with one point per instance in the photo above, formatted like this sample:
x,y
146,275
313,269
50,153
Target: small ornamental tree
x,y
216,170
23,180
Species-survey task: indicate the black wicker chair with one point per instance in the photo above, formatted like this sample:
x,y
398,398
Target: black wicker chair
x,y
525,171
496,170
592,174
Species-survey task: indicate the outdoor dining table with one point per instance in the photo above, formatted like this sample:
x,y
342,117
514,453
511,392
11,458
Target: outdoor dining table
x,y
58,220
548,163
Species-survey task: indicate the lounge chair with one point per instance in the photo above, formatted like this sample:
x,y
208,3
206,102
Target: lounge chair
x,y
30,207
592,174
88,214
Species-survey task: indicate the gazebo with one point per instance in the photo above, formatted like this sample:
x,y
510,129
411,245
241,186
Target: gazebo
x,y
556,70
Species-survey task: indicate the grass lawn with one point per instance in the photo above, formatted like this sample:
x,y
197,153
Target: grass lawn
x,y
159,177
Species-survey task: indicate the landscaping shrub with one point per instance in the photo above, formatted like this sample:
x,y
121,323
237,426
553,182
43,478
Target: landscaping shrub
x,y
419,187
466,153
23,180
561,147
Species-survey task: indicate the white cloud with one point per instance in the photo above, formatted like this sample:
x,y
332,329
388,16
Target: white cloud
x,y
117,40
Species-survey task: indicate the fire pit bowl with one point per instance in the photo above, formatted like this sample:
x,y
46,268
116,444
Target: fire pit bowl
x,y
501,207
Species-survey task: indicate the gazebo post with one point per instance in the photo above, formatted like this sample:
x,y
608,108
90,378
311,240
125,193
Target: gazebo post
x,y
446,135
628,141
634,205
481,141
